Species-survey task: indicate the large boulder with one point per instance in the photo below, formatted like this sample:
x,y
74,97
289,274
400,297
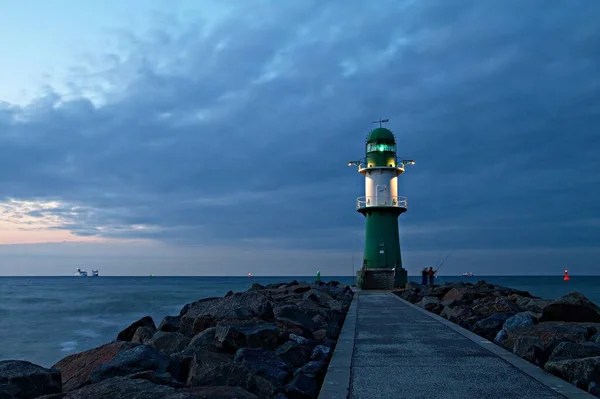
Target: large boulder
x,y
535,305
579,372
488,307
207,313
143,335
490,326
411,285
21,379
299,316
572,307
122,387
131,361
430,303
235,375
204,341
294,353
571,350
168,342
128,333
264,363
536,342
233,336
461,315
76,369
314,369
462,294
203,363
302,386
219,393
170,324
518,320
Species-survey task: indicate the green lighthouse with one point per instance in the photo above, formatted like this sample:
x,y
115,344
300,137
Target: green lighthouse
x,y
381,206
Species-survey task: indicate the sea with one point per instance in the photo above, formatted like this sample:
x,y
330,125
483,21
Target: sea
x,y
43,319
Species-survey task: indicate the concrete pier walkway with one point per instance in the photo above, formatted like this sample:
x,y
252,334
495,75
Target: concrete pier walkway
x,y
391,349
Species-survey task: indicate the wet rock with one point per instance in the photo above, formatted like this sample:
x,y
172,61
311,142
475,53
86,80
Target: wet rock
x,y
579,372
572,307
229,293
203,363
596,338
320,352
302,387
430,303
570,350
170,324
298,316
131,361
219,393
143,334
122,387
168,342
235,374
207,313
264,363
76,369
536,342
233,336
294,353
490,326
127,334
329,342
21,379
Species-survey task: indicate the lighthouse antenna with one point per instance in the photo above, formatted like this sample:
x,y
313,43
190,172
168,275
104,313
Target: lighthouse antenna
x,y
381,121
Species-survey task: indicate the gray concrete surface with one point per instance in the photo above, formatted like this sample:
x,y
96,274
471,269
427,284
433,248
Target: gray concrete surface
x,y
391,349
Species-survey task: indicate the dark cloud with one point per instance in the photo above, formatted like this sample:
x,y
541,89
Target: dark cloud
x,y
240,135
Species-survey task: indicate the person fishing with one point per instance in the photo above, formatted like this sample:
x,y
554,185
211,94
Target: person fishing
x,y
431,274
424,276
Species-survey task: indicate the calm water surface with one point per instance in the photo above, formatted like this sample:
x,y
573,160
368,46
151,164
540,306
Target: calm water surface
x,y
43,319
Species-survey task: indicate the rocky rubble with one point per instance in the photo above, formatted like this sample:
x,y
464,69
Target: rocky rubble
x,y
269,342
562,336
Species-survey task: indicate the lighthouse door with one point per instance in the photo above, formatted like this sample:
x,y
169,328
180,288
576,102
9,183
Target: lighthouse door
x,y
381,194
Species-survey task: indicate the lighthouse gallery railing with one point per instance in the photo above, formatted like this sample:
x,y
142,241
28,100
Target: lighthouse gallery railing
x,y
398,202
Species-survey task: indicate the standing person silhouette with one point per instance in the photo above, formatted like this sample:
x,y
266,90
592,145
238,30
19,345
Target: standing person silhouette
x,y
424,276
431,274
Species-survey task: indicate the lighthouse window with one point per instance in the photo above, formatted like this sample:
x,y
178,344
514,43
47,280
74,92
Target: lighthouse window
x,y
381,147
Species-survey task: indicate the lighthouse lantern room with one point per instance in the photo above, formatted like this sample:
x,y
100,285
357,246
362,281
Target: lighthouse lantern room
x,y
381,206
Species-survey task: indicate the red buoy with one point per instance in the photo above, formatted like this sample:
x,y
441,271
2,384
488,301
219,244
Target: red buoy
x,y
566,278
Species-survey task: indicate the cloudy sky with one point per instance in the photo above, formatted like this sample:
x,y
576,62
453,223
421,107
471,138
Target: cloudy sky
x,y
193,138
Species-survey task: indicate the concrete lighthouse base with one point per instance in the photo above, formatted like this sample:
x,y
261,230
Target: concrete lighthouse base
x,y
381,279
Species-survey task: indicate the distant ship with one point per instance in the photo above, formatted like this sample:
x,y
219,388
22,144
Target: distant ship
x,y
468,274
80,273
95,273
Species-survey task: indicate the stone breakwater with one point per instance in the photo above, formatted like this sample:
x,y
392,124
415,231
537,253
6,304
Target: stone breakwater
x,y
269,342
562,336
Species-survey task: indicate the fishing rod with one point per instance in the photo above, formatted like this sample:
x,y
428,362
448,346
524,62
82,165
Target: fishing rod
x,y
442,262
